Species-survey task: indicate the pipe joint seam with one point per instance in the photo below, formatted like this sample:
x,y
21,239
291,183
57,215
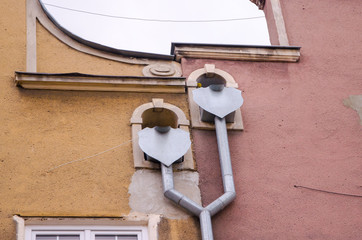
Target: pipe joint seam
x,y
215,207
191,206
220,203
173,195
229,185
184,201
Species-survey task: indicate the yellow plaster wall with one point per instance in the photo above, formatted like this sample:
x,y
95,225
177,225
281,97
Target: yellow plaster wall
x,y
43,129
53,56
179,229
12,56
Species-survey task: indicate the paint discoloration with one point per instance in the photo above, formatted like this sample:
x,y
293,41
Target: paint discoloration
x,y
147,195
171,229
355,102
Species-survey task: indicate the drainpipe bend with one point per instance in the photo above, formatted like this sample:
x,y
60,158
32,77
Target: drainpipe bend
x,y
216,206
174,195
220,203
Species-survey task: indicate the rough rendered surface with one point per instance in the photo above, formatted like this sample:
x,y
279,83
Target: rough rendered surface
x,y
146,193
300,128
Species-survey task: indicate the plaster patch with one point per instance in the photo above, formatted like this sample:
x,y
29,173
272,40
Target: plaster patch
x,y
355,102
147,194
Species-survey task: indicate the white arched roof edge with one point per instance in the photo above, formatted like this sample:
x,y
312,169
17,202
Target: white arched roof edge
x,y
192,79
158,103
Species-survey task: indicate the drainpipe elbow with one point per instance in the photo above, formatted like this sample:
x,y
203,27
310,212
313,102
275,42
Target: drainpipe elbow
x,y
191,206
173,195
220,203
228,197
183,201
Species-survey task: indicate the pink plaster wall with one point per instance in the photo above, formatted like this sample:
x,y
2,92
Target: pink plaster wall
x,y
297,132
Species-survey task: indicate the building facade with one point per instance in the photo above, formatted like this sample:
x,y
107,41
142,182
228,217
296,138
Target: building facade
x,y
70,162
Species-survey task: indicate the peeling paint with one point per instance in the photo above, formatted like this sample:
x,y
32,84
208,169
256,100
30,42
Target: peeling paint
x,y
355,102
147,195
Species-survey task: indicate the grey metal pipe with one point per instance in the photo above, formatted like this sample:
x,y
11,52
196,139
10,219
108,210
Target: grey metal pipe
x,y
167,177
175,196
226,169
224,154
206,225
220,203
229,195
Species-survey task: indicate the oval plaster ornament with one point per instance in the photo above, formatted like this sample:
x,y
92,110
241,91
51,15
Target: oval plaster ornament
x,y
166,146
220,101
162,70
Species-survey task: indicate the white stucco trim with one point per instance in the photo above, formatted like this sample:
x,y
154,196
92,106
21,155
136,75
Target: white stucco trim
x,y
136,125
30,36
20,227
279,22
191,84
132,221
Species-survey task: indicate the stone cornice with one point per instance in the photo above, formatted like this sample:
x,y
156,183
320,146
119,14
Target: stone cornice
x,y
88,82
236,52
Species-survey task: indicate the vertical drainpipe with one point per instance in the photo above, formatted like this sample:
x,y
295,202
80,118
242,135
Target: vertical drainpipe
x,y
227,179
206,225
226,169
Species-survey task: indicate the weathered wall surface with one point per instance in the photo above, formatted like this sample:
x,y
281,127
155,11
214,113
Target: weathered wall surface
x,y
301,128
51,52
42,129
146,193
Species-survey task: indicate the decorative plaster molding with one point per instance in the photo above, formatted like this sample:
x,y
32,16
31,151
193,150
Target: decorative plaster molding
x,y
162,70
192,83
158,105
192,79
87,82
279,22
259,3
236,52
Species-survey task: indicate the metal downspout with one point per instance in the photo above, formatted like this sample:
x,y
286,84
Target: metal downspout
x,y
205,214
175,196
167,145
226,169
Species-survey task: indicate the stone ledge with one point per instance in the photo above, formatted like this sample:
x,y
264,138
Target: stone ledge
x,y
236,52
88,82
